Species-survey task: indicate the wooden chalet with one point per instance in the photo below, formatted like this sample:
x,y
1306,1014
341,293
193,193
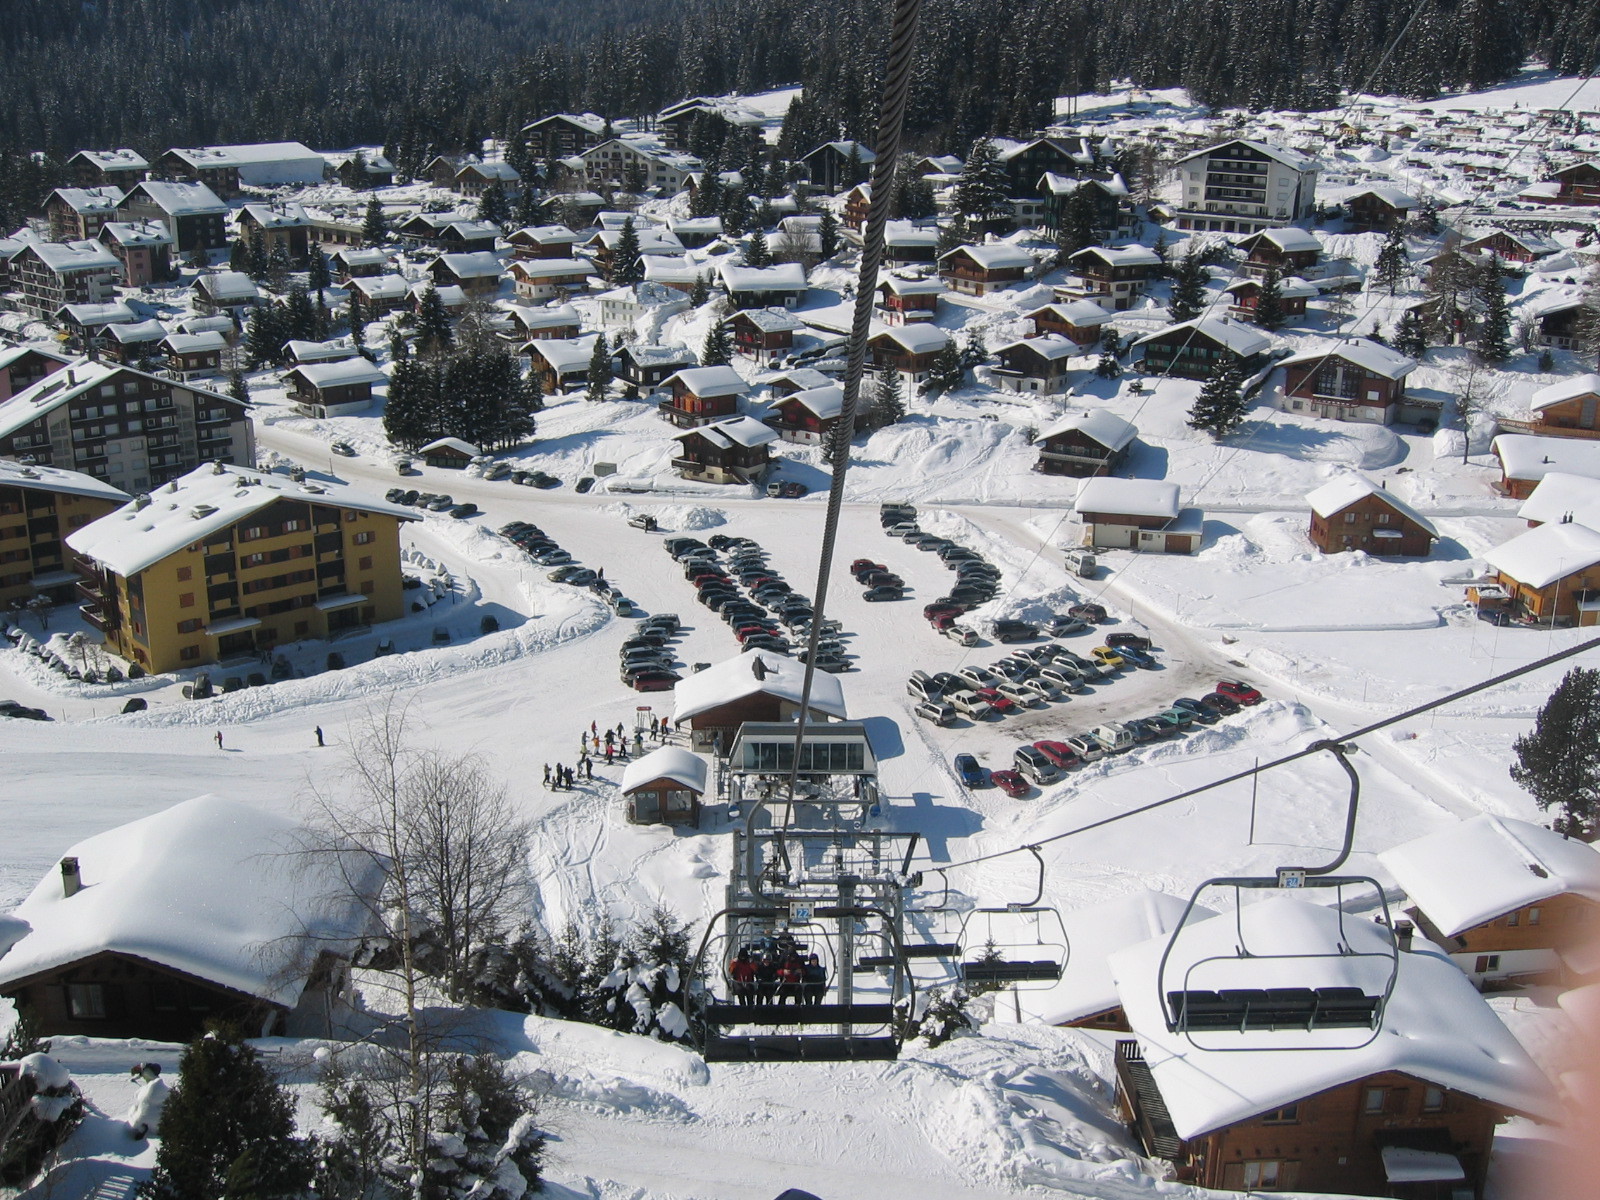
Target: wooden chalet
x,y
475,178
328,231
23,366
350,262
1567,408
1525,459
1380,209
1511,246
831,165
277,225
78,213
1244,297
908,245
564,135
543,241
808,416
1195,349
194,355
648,367
100,168
1113,277
143,247
1558,322
903,299
1136,514
732,450
1548,576
449,233
751,688
562,364
1096,442
1289,251
857,204
763,333
1026,164
453,454
558,321
138,343
1081,322
362,172
225,291
1036,365
381,294
979,270
909,349
477,274
333,389
543,279
1353,513
664,787
1353,380
701,395
780,286
1578,184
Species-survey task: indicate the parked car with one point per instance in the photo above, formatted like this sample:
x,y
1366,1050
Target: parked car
x,y
1145,662
962,635
977,676
498,470
938,609
1015,631
462,511
395,496
539,479
1061,626
1107,657
582,577
1495,616
996,701
970,771
1059,753
1170,722
935,711
1095,614
561,574
866,564
1041,688
655,681
969,702
584,484
643,521
1034,765
1086,747
922,687
872,595
1224,706
1132,641
1147,729
1011,783
342,449
1200,712
1238,691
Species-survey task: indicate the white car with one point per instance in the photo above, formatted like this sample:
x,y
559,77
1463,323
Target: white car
x,y
1040,688
1019,693
978,677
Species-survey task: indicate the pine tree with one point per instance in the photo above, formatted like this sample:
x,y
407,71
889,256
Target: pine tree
x,y
407,413
532,398
947,371
626,267
1427,219
888,400
1076,230
433,324
399,348
527,206
975,352
1559,762
718,348
375,228
239,255
356,315
756,253
238,388
300,317
1188,288
1162,251
1494,335
828,233
1409,338
952,234
1393,261
600,372
1269,306
257,269
1108,367
700,293
278,266
634,180
915,200
318,275
264,336
227,1128
1220,407
981,193
493,208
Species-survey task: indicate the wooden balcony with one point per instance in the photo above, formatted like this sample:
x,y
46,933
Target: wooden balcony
x,y
1151,1120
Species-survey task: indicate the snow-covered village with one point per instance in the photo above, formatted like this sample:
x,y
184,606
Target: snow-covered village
x,y
1107,699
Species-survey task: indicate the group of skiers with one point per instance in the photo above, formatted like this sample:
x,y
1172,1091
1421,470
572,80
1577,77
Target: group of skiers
x,y
773,971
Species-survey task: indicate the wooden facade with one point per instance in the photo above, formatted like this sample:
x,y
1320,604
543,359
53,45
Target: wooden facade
x,y
1191,353
1377,212
662,801
1339,388
1574,416
1579,185
1526,945
720,460
1371,524
685,409
1073,452
965,272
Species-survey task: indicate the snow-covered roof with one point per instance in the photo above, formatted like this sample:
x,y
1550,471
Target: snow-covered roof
x,y
734,679
780,277
669,762
1486,866
664,268
995,257
651,239
799,378
307,352
50,393
1339,494
918,285
534,269
585,121
1560,497
1241,339
480,264
824,402
354,256
1541,556
1292,159
228,285
919,337
862,151
341,373
1287,239
904,233
452,443
733,431
1529,456
710,381
1128,497
564,354
1360,352
253,154
546,235
769,320
502,172
644,295
114,160
137,332
137,233
1105,427
1093,935
56,479
1290,287
1534,243
1563,390
195,343
1393,197
64,257
1051,346
471,231
210,887
179,199
531,318
115,312
277,216
1121,256
696,226
195,505
381,287
88,200
1085,313
195,323
1065,185
1436,1027
657,356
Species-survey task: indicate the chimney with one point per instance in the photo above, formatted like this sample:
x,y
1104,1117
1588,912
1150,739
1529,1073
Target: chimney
x,y
1403,933
71,881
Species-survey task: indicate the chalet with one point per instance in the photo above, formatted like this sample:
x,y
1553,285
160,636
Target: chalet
x,y
380,293
564,135
1509,901
695,232
1195,349
440,170
979,270
1243,186
73,417
1578,184
449,233
677,272
572,209
833,166
1561,497
1086,996
76,214
1091,443
331,231
38,507
647,367
808,416
361,172
350,262
908,349
549,278
732,450
102,168
194,215
88,321
50,274
475,178
278,225
753,687
1113,277
23,366
1525,459
800,379
1549,576
621,308
938,166
1409,1111
703,394
652,240
763,333
143,247
780,286
1354,380
1107,199
1380,209
1244,297
1136,514
225,291
206,910
677,122
228,169
1037,365
1027,163
664,787
476,274
138,343
1287,251
333,389
904,299
561,363
1081,322
857,206
199,323
1558,320
296,352
450,453
553,321
1512,247
905,244
194,355
543,241
611,163
1353,513
1567,408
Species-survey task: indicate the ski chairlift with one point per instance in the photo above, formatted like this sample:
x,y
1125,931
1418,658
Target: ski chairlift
x,y
1355,1001
1014,959
827,1032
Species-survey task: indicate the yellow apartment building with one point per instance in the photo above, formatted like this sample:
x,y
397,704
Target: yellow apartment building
x,y
38,507
226,561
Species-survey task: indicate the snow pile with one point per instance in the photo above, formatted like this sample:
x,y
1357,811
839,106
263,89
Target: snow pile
x,y
688,518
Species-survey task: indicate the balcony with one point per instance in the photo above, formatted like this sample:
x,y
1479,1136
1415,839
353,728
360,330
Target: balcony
x,y
1150,1115
105,620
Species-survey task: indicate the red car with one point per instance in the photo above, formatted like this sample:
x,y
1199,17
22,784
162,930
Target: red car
x,y
1238,691
655,681
866,564
1061,754
997,702
1011,783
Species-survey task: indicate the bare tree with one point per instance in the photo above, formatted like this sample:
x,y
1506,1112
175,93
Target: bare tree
x,y
796,246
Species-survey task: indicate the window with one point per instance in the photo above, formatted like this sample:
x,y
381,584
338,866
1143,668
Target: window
x,y
1289,1114
86,1001
186,600
1383,518
189,653
1512,920
363,538
1487,962
185,574
1432,1099
1261,1174
1372,1101
1533,916
364,563
1349,518
192,625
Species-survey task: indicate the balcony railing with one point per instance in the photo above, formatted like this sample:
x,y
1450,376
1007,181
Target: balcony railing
x,y
1150,1115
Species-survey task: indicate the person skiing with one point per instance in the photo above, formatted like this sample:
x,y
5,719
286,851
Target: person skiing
x,y
547,777
219,739
319,736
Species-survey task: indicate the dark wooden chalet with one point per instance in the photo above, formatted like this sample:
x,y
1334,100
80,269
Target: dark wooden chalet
x,y
664,787
808,416
1080,321
701,395
1114,277
23,366
1567,408
1195,349
1290,251
543,241
648,367
978,270
1037,365
901,300
763,333
1085,444
1352,513
1355,380
908,349
857,203
1380,209
97,168
1244,297
733,450
1579,184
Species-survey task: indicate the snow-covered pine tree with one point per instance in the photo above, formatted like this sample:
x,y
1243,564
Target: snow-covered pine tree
x,y
1393,261
532,397
1494,334
375,226
1076,230
975,352
433,324
264,336
952,234
278,266
756,253
300,316
626,267
318,275
718,347
947,370
600,372
1107,367
240,391
1269,306
1559,761
1188,288
493,207
356,316
1409,336
257,269
828,233
981,193
486,1141
1220,407
888,399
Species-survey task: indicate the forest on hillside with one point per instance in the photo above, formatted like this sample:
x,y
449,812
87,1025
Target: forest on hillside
x,y
445,73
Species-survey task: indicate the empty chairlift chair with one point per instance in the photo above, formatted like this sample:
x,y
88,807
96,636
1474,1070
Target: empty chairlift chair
x,y
1019,945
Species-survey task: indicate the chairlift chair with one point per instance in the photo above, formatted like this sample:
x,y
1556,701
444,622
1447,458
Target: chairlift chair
x,y
1011,959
